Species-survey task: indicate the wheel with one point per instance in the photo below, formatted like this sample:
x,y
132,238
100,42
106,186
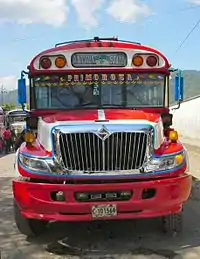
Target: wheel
x,y
172,223
28,227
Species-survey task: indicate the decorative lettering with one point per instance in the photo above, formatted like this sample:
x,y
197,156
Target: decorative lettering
x,y
104,77
76,78
112,78
96,77
88,77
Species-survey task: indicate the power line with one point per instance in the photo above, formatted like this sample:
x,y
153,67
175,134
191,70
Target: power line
x,y
188,35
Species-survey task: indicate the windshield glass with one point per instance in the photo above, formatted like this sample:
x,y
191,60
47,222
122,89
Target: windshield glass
x,y
13,119
128,90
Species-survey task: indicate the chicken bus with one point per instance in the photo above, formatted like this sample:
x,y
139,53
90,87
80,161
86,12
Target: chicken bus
x,y
100,142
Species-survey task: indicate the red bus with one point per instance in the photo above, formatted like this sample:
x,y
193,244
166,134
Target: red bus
x,y
100,143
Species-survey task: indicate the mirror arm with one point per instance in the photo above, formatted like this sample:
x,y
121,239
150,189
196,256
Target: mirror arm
x,y
171,70
23,73
178,106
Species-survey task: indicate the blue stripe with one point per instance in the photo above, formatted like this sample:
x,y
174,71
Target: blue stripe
x,y
145,175
34,156
51,157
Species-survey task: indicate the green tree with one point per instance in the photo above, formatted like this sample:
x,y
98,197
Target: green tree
x,y
8,106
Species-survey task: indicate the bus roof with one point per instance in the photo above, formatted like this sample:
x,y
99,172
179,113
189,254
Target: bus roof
x,y
17,112
96,45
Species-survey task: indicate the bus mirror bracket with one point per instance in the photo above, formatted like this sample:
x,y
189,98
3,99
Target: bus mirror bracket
x,y
178,87
22,89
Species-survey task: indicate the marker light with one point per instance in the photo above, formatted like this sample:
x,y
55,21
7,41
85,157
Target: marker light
x,y
152,61
29,137
60,62
173,135
137,61
45,63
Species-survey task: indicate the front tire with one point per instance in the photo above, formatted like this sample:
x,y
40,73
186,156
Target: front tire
x,y
172,223
28,227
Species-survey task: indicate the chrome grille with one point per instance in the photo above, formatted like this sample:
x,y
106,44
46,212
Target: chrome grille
x,y
87,152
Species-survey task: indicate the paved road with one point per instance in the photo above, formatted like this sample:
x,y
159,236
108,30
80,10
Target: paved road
x,y
139,239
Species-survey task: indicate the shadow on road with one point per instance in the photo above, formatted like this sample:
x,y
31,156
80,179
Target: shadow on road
x,y
112,239
122,237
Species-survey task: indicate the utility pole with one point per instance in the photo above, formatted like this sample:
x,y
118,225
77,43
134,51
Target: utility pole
x,y
3,91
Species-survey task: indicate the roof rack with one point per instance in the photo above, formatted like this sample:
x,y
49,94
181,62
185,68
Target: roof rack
x,y
94,39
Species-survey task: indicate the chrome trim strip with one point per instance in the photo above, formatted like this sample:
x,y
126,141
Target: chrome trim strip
x,y
101,115
121,144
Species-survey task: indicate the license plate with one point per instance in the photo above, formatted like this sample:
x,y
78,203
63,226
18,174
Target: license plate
x,y
100,211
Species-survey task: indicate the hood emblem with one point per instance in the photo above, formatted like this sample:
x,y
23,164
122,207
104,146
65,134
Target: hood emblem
x,y
103,133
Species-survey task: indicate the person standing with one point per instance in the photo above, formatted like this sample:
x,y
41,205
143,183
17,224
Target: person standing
x,y
20,140
1,145
7,139
13,138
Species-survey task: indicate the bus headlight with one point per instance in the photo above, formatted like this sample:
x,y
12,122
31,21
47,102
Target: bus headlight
x,y
40,165
164,163
34,163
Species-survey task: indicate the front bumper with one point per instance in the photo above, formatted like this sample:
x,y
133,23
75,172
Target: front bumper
x,y
34,199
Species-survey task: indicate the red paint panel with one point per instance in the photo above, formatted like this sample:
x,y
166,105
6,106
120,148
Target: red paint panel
x,y
110,114
35,202
73,115
117,45
35,150
127,114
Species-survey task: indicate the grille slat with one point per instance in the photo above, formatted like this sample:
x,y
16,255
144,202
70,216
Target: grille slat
x,y
87,152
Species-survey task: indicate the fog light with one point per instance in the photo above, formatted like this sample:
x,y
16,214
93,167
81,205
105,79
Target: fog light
x,y
60,196
82,196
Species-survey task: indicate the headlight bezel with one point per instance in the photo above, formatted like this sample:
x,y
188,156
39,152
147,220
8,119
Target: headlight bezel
x,y
165,163
32,164
155,164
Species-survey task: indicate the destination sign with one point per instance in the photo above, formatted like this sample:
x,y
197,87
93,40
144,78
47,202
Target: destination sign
x,y
99,59
90,78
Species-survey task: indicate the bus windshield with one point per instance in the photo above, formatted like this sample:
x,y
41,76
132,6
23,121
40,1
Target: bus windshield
x,y
123,90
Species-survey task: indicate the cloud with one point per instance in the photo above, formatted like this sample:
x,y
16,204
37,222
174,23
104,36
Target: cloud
x,y
195,1
8,82
51,12
87,11
128,10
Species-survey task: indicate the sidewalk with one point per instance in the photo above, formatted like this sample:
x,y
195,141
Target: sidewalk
x,y
193,148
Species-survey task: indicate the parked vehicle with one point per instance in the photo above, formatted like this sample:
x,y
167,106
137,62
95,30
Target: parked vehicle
x,y
16,119
100,143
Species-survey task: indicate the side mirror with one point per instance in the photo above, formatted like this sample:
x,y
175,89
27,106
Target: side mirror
x,y
22,91
178,88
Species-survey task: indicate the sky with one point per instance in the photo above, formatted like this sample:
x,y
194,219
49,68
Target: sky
x,y
28,27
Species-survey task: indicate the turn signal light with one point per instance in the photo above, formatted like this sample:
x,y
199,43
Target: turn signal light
x,y
137,61
179,158
173,135
45,63
29,137
60,62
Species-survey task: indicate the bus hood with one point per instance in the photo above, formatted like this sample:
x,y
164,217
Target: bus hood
x,y
83,119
